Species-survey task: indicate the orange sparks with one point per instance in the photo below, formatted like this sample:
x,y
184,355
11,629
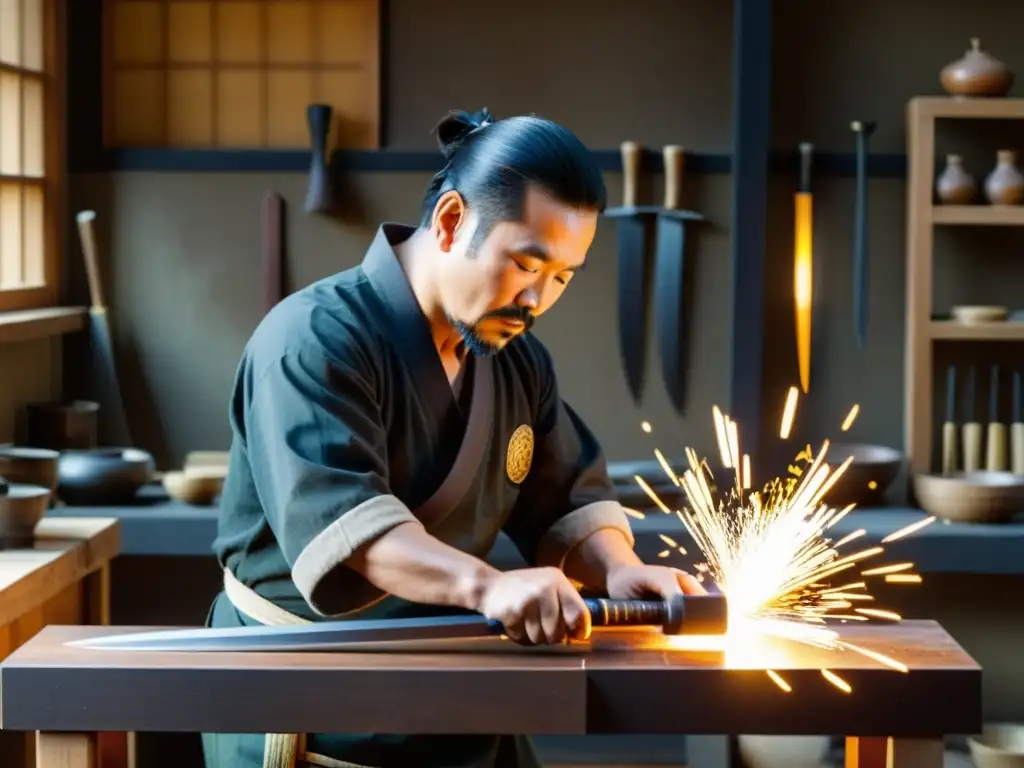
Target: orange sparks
x,y
634,513
653,496
850,537
882,570
903,578
646,426
789,413
879,657
836,680
777,679
877,613
665,466
850,418
912,528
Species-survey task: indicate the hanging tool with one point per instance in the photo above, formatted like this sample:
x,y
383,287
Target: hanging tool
x,y
682,615
670,283
863,130
950,461
1017,427
631,221
803,266
105,384
320,192
272,213
972,428
995,448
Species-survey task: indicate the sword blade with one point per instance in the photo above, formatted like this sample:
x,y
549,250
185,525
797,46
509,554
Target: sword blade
x,y
670,306
632,301
317,636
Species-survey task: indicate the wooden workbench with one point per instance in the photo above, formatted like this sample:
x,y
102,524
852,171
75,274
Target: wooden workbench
x,y
63,578
622,682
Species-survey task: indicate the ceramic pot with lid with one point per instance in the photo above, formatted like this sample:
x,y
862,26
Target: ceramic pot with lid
x,y
977,73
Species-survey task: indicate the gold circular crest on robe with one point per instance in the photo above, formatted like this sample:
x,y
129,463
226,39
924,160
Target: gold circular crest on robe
x,y
520,454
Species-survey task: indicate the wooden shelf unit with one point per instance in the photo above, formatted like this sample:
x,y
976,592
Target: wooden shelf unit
x,y
922,216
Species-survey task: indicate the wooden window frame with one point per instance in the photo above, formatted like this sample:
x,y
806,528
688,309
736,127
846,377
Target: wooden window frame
x,y
53,181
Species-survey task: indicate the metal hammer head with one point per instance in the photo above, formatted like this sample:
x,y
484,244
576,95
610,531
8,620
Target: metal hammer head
x,y
697,615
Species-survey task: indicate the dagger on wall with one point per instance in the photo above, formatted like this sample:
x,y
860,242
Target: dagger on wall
x,y
803,266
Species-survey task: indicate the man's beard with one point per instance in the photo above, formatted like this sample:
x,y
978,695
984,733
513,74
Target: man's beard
x,y
477,345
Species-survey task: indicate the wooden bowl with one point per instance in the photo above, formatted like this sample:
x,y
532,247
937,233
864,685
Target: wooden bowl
x,y
972,315
21,509
30,466
972,497
194,486
1000,745
868,477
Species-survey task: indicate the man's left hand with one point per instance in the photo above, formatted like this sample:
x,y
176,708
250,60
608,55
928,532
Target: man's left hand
x,y
633,582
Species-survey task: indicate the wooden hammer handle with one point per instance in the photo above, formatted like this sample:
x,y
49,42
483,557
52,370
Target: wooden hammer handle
x,y
87,235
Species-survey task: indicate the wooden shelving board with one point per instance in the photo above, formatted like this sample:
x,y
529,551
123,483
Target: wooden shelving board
x,y
950,330
923,215
966,107
979,215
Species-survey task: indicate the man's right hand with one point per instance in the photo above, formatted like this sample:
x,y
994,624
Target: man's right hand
x,y
536,606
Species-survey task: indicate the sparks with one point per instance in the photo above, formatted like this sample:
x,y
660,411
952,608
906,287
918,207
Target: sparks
x,y
769,550
850,418
836,680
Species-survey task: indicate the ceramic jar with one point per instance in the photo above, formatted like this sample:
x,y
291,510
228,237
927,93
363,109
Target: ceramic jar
x,y
1005,185
955,186
978,73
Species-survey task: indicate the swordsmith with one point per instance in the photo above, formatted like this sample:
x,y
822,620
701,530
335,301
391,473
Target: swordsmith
x,y
682,615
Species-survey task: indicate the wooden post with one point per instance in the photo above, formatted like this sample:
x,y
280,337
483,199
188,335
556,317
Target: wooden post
x,y
65,750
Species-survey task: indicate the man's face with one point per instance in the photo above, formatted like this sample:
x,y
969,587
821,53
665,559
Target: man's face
x,y
493,291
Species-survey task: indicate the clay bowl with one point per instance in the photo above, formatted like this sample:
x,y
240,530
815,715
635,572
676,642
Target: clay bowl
x,y
971,497
868,477
1000,745
31,466
103,476
21,509
194,486
973,315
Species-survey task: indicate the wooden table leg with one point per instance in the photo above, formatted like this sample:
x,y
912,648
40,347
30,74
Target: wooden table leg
x,y
916,753
65,750
114,750
880,752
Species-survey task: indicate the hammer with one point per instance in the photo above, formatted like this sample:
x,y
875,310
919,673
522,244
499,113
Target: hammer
x,y
680,615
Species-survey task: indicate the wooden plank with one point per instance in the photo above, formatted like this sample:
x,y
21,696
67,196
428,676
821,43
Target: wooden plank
x,y
65,551
29,324
726,693
622,682
50,686
1007,331
965,107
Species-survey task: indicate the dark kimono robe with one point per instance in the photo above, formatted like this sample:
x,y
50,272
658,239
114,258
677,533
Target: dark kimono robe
x,y
345,425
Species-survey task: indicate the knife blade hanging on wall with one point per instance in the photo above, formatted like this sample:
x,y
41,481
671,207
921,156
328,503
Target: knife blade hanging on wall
x,y
631,222
863,129
670,304
803,267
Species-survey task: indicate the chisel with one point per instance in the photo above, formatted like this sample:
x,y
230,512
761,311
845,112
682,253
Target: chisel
x,y
995,449
950,460
971,428
1017,427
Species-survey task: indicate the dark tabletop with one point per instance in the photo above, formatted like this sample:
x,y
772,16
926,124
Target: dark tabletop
x,y
620,682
